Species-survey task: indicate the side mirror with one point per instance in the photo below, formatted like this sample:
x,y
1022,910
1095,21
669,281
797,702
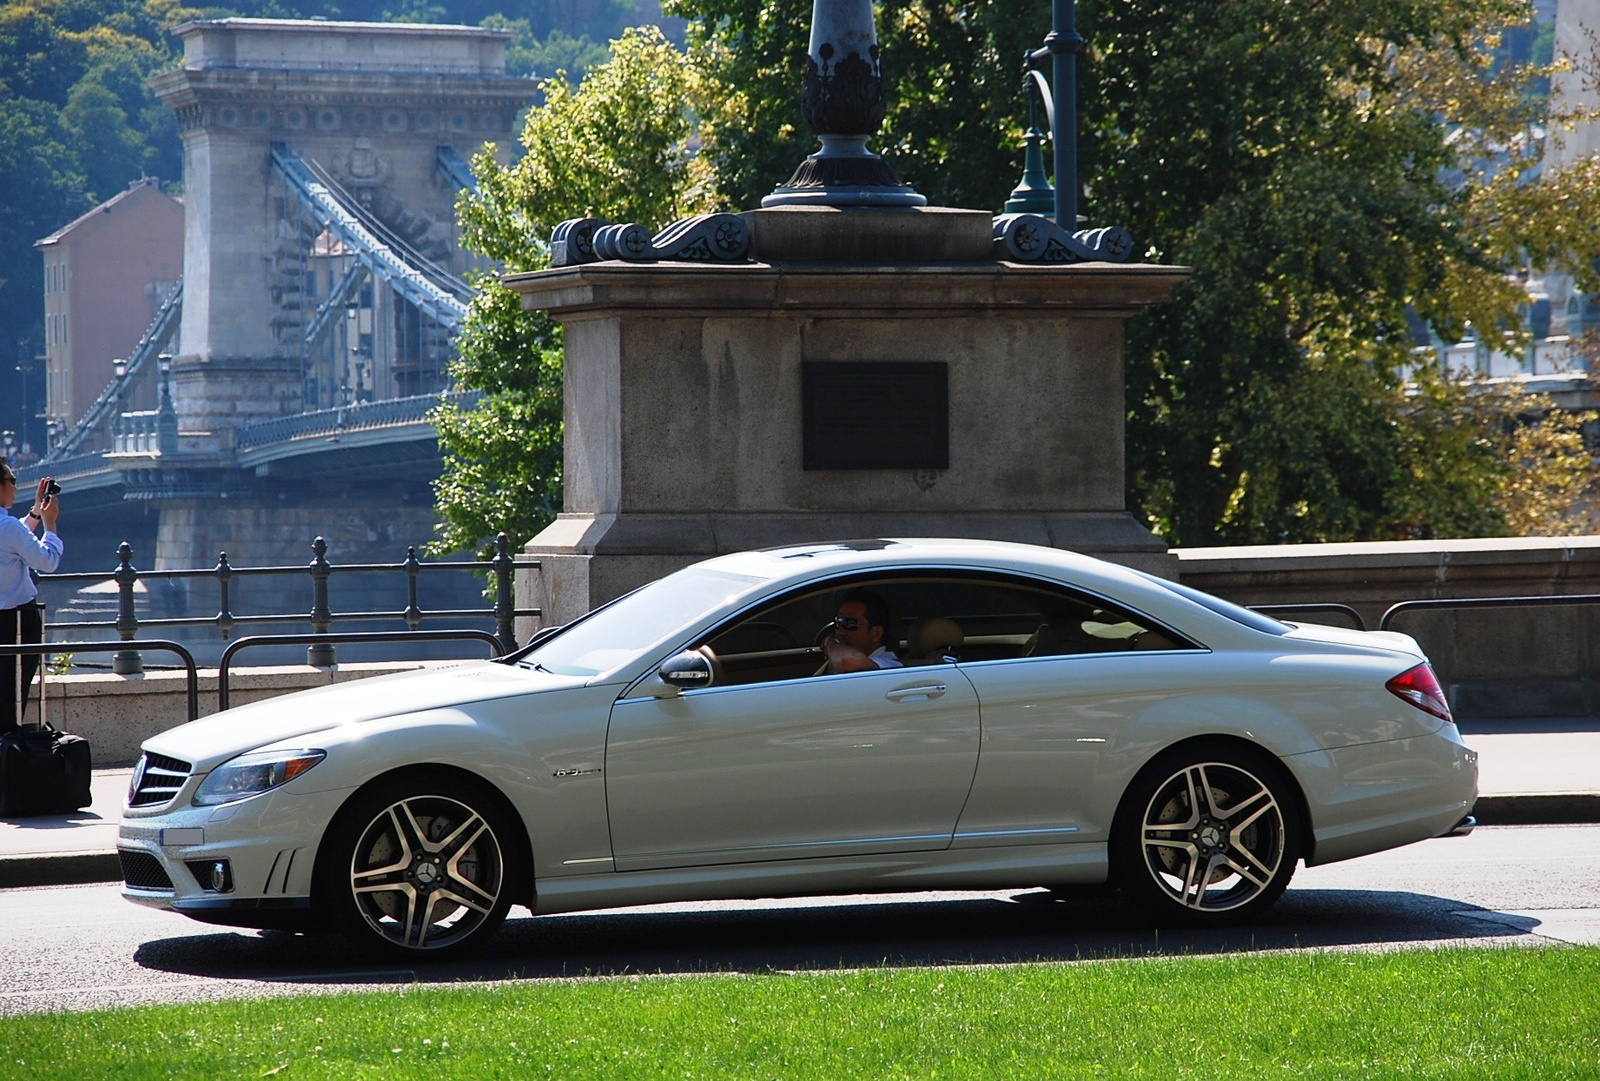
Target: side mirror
x,y
544,632
686,670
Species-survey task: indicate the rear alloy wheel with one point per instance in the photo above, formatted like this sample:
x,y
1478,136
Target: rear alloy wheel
x,y
1208,838
422,869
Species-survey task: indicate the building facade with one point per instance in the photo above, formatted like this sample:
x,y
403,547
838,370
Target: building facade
x,y
105,275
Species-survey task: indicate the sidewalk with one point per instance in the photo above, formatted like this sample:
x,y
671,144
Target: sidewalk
x,y
1539,771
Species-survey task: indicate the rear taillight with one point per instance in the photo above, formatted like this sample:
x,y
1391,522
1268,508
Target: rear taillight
x,y
1420,687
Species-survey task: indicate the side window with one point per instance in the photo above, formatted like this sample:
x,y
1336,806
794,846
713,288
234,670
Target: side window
x,y
1070,626
778,642
1001,619
934,619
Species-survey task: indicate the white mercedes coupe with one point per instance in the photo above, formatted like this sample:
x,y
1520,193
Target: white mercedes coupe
x,y
1031,717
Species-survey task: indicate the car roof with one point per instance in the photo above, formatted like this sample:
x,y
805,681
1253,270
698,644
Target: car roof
x,y
798,562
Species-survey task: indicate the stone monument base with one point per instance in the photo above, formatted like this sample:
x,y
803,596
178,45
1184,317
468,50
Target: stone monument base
x,y
910,385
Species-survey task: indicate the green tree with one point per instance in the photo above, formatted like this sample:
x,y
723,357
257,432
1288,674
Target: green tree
x,y
616,146
1324,168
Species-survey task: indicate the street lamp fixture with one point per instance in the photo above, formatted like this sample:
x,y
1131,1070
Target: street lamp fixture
x,y
119,367
166,415
1061,47
843,102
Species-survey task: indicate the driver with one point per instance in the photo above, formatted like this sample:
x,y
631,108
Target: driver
x,y
861,640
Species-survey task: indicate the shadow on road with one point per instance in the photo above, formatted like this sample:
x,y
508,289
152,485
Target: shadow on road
x,y
982,930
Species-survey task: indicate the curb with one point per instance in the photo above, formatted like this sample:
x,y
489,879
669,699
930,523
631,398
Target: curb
x,y
59,869
87,868
1543,809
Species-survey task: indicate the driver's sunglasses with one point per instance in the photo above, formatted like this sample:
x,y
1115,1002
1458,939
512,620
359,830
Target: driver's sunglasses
x,y
847,623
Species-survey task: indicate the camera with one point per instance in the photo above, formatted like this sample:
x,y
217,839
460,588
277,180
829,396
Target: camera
x,y
52,488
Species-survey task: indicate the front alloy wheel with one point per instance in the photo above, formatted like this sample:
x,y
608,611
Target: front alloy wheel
x,y
423,872
1208,838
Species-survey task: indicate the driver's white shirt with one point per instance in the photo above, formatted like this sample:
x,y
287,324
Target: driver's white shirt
x,y
885,659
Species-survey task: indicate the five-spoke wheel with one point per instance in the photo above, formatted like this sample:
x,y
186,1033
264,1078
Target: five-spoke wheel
x,y
418,868
1207,835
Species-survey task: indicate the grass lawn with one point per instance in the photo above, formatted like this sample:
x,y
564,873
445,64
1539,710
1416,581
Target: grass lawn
x,y
1448,1013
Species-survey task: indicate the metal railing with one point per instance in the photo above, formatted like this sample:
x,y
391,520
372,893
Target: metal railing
x,y
43,650
391,412
1558,600
314,640
127,624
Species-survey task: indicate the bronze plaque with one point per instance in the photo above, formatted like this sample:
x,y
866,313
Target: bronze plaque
x,y
875,414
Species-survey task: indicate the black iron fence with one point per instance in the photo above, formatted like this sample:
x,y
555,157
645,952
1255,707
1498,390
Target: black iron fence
x,y
1397,610
321,617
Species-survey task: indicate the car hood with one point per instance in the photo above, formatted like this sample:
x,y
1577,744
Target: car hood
x,y
1392,641
210,740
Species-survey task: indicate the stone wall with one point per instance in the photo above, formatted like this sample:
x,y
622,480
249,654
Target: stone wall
x,y
1537,661
117,713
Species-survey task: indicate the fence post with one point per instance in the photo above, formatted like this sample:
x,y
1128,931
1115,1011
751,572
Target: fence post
x,y
504,596
320,655
224,574
126,662
413,614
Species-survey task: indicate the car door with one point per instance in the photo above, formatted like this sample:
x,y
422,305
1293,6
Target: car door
x,y
830,765
1054,716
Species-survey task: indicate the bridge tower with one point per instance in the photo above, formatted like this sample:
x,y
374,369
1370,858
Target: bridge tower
x,y
378,115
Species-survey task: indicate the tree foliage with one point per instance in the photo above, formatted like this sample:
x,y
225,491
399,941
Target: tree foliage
x,y
617,146
1326,169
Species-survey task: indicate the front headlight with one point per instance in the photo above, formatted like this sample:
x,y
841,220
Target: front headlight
x,y
254,773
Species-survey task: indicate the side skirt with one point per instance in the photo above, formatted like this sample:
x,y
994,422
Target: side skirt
x,y
1016,867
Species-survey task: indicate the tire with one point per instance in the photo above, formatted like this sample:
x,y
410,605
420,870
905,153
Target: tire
x,y
420,869
1207,835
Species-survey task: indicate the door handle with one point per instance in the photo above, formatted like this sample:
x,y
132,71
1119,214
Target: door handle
x,y
925,690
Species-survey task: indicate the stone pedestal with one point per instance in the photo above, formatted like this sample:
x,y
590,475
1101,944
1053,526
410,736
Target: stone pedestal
x,y
687,424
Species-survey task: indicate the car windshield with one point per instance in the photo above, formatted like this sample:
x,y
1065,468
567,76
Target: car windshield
x,y
615,634
1253,620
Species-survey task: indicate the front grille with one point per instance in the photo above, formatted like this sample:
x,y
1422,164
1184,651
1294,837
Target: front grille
x,y
159,779
142,871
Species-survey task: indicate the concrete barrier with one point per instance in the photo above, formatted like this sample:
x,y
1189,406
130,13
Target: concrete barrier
x,y
1503,662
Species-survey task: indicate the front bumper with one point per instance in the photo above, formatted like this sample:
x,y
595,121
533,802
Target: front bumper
x,y
268,844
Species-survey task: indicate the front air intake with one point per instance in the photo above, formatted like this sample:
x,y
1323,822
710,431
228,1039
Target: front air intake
x,y
142,871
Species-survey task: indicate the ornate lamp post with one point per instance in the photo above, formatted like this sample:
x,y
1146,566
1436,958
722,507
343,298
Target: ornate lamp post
x,y
843,103
1062,46
166,415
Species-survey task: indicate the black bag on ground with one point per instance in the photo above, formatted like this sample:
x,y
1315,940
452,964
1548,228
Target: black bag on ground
x,y
43,771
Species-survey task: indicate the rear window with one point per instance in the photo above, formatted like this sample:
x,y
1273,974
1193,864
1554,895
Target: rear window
x,y
1239,614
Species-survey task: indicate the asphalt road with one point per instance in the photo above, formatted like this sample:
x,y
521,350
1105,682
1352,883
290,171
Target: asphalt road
x,y
83,947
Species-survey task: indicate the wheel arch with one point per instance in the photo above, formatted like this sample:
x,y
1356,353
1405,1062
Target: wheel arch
x,y
522,887
1193,745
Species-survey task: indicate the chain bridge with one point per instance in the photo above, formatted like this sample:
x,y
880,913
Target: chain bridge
x,y
284,388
